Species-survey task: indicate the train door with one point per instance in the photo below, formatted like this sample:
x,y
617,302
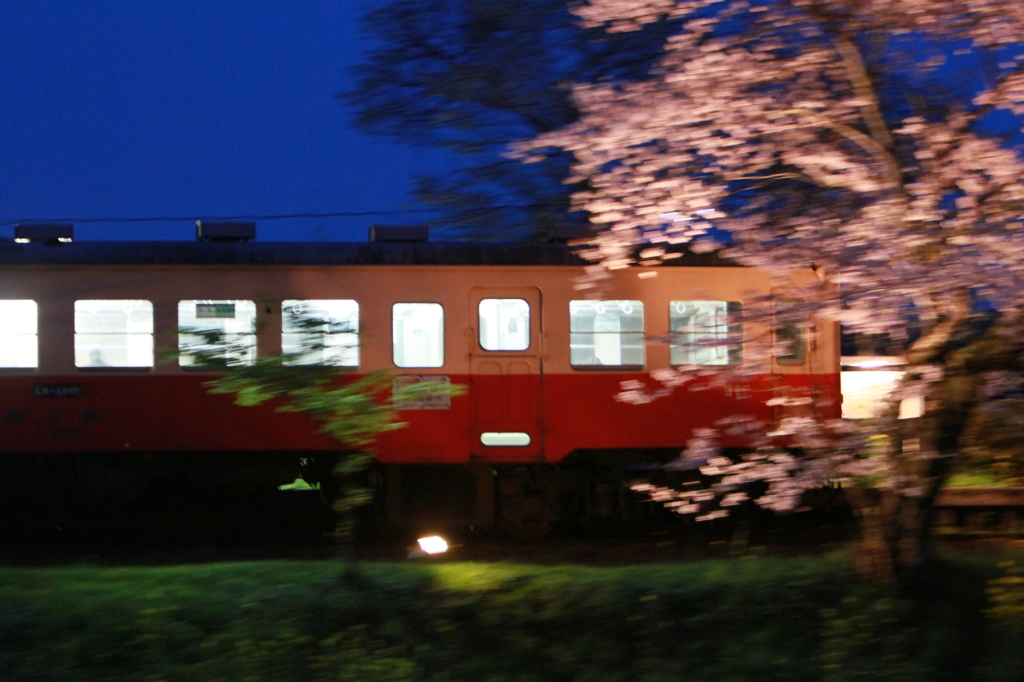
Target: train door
x,y
505,373
790,373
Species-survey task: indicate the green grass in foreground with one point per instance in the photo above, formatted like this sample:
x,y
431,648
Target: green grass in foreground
x,y
742,619
976,479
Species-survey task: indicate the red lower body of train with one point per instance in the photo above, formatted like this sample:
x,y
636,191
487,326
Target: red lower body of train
x,y
434,471
534,440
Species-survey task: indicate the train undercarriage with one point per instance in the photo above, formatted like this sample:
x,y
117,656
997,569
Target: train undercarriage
x,y
587,493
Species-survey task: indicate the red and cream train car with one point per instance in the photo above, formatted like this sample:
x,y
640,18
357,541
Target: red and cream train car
x,y
536,437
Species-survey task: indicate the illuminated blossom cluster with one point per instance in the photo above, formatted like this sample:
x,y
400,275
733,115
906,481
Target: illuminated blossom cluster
x,y
876,141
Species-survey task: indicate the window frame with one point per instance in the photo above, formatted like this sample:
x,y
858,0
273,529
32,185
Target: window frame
x,y
394,332
733,329
34,335
794,334
109,367
252,354
480,326
323,333
600,366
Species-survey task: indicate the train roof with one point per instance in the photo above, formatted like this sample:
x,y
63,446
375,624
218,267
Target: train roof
x,y
308,253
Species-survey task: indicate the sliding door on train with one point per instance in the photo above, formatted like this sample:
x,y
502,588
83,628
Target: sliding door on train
x,y
505,361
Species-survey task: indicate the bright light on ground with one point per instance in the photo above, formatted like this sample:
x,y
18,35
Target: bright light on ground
x,y
433,545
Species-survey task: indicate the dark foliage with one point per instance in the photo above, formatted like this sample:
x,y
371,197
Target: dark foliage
x,y
471,76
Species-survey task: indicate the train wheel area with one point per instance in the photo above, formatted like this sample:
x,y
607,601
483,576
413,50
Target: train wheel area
x,y
152,501
100,502
227,506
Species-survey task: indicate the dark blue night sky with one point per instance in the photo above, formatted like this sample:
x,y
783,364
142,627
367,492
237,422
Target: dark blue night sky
x,y
190,108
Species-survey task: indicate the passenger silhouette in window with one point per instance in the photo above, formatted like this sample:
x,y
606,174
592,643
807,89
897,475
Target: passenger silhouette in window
x,y
96,358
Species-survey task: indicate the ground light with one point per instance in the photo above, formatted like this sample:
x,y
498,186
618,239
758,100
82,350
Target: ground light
x,y
434,544
431,545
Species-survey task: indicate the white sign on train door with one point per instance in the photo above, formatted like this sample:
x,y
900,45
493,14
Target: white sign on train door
x,y
506,373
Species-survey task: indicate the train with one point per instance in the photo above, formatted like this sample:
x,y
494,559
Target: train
x,y
536,438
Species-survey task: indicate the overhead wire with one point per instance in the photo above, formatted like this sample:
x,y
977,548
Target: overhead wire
x,y
170,219
265,216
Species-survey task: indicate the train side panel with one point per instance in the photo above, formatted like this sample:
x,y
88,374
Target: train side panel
x,y
61,408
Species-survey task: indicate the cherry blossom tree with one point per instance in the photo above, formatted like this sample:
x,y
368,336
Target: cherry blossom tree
x,y
876,141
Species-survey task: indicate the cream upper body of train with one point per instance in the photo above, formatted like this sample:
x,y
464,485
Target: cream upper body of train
x,y
87,328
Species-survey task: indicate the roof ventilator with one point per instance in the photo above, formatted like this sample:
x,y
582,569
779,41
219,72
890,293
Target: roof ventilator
x,y
399,233
207,231
47,233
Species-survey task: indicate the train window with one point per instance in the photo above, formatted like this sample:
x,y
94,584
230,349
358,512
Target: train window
x,y
113,333
504,324
212,333
418,333
606,333
19,343
320,332
789,332
700,332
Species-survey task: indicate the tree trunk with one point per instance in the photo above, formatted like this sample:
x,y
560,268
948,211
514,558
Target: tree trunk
x,y
895,534
896,520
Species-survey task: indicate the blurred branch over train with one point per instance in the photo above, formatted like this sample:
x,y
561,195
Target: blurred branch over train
x,y
309,378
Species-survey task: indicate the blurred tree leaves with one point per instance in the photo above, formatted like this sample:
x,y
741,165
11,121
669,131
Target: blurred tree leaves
x,y
471,76
352,410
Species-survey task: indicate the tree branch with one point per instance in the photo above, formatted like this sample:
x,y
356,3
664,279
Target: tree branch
x,y
865,142
931,345
864,90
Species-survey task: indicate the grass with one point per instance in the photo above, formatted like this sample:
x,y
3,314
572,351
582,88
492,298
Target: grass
x,y
787,619
976,479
